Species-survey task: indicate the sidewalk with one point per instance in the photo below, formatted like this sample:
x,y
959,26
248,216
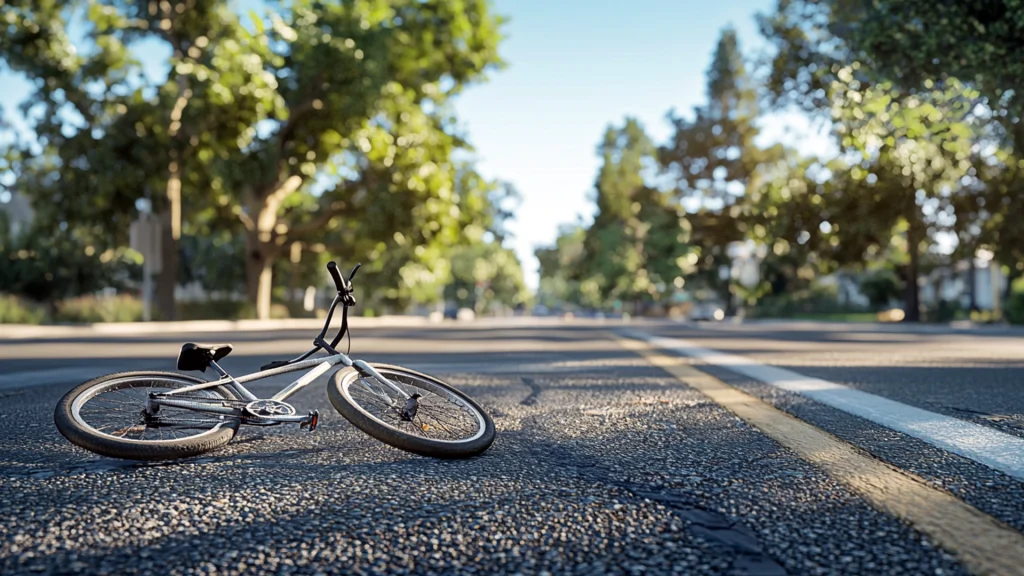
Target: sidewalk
x,y
956,326
25,331
28,331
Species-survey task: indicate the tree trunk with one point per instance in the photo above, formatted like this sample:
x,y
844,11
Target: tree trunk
x,y
167,279
259,274
264,242
913,302
972,283
1010,278
171,216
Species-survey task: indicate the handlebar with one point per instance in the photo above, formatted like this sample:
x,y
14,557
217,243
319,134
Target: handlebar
x,y
333,269
345,298
339,283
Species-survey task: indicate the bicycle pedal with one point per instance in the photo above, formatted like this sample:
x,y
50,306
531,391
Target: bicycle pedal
x,y
314,419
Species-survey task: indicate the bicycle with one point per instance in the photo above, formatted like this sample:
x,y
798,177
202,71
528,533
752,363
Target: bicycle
x,y
185,416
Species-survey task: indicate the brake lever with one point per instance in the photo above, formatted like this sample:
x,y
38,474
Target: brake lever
x,y
352,274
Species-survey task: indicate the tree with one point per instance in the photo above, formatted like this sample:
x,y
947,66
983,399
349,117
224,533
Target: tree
x,y
625,253
47,265
714,163
712,157
486,276
915,151
912,42
327,112
785,215
360,100
106,136
807,53
559,265
414,263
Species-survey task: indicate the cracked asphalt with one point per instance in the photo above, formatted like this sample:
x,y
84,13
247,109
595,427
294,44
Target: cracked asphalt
x,y
602,464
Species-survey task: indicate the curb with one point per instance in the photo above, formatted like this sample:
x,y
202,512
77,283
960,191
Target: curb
x,y
23,331
12,332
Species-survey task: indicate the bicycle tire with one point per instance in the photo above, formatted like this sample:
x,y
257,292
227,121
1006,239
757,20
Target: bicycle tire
x,y
363,420
84,436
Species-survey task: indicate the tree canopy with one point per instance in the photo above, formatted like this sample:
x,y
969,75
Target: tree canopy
x,y
314,126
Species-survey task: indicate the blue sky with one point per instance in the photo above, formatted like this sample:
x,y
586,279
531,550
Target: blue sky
x,y
575,66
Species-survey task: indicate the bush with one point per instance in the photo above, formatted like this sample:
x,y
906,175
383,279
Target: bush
x,y
1014,307
215,310
14,310
226,310
881,287
88,309
802,304
945,311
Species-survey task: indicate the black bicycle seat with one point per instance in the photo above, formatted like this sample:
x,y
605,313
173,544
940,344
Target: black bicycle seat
x,y
198,356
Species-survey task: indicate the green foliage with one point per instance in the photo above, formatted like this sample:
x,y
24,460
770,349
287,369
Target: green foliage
x,y
485,276
15,310
814,302
713,156
630,251
946,311
881,287
927,66
329,127
1014,307
48,265
363,105
221,309
90,309
215,259
915,41
559,266
715,165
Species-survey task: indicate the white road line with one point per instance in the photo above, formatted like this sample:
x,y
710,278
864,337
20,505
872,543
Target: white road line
x,y
997,450
507,367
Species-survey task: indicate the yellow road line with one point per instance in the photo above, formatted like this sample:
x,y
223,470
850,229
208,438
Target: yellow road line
x,y
983,544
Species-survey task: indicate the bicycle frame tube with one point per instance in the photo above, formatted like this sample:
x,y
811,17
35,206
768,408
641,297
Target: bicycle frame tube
x,y
318,367
303,365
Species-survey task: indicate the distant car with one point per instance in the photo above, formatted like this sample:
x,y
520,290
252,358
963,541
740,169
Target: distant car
x,y
706,312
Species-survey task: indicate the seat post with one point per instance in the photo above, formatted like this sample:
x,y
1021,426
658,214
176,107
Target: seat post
x,y
223,373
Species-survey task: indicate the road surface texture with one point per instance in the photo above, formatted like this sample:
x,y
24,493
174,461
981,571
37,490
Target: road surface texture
x,y
604,462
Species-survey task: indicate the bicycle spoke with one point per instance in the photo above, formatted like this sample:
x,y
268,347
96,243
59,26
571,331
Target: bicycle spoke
x,y
440,414
120,411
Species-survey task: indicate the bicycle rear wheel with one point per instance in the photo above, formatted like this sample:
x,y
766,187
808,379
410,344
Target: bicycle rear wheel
x,y
447,423
107,416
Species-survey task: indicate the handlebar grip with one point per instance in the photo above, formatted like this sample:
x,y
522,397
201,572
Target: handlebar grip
x,y
333,269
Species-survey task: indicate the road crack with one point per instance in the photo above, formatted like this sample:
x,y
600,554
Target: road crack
x,y
535,391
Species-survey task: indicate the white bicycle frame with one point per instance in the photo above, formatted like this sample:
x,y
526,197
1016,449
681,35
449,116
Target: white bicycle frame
x,y
317,366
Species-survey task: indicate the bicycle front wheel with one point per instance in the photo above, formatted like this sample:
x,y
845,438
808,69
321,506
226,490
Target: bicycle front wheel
x,y
109,416
446,424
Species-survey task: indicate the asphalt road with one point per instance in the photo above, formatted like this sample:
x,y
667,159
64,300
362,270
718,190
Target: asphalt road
x,y
604,463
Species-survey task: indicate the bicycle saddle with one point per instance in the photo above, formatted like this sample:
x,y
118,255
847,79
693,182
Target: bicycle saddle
x,y
198,356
